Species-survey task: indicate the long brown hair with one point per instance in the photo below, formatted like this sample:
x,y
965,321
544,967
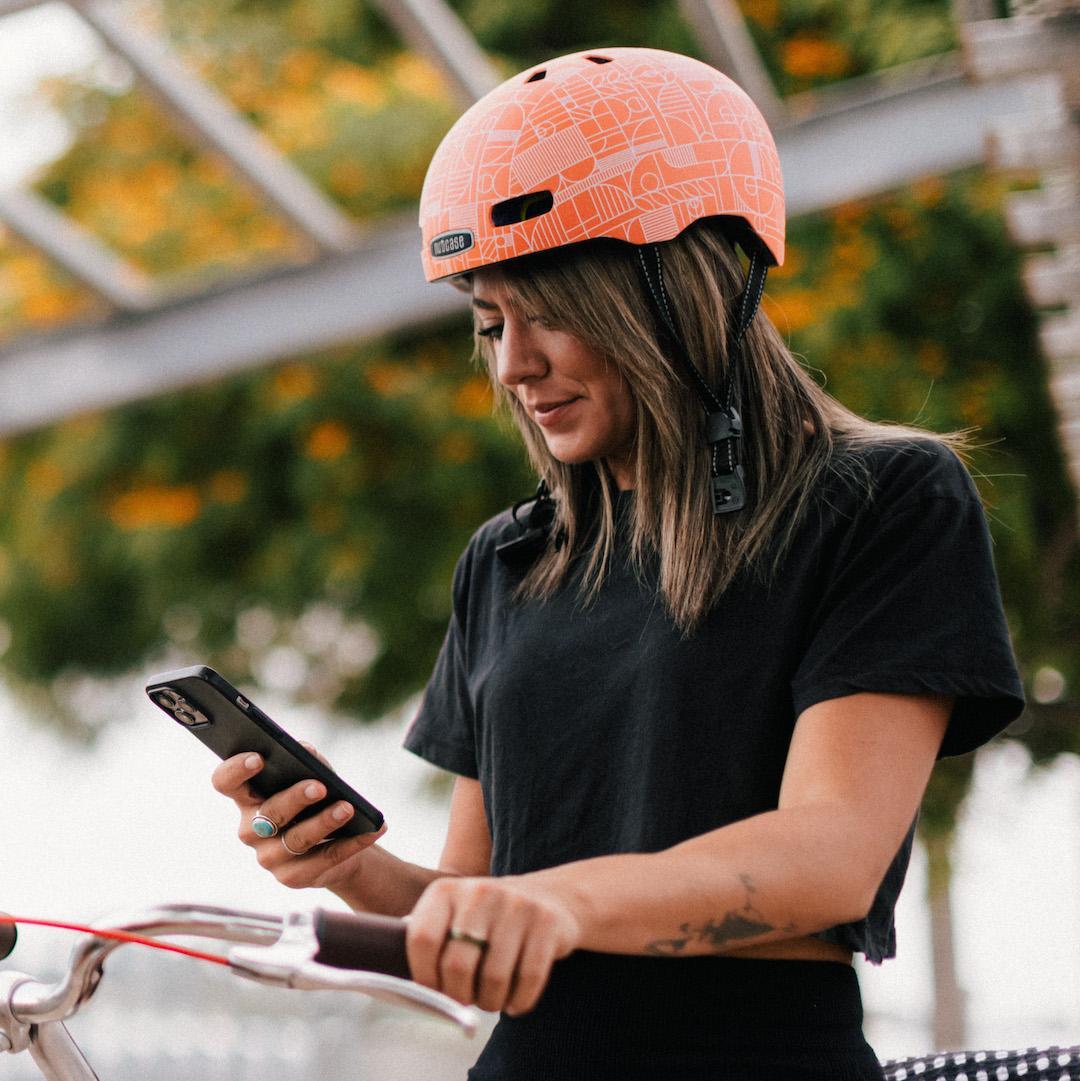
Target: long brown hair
x,y
794,432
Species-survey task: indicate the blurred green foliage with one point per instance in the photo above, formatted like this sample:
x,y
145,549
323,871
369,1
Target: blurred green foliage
x,y
319,507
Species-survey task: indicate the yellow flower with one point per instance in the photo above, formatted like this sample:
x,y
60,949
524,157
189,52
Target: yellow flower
x,y
355,85
347,178
44,478
419,77
294,382
300,67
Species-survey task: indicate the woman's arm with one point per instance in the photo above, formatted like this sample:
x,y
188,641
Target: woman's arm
x,y
360,872
855,774
383,883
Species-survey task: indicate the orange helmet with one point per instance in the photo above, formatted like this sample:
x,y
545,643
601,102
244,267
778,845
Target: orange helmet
x,y
634,144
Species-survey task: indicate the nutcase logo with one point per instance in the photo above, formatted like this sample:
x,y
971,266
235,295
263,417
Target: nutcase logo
x,y
446,244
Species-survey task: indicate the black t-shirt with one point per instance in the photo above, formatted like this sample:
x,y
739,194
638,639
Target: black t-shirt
x,y
600,728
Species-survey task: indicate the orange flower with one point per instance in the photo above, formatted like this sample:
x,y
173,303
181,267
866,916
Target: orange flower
x,y
766,13
930,358
327,441
155,506
808,56
792,309
457,447
474,398
388,379
228,486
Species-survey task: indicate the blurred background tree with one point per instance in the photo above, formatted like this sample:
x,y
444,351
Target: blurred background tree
x,y
349,481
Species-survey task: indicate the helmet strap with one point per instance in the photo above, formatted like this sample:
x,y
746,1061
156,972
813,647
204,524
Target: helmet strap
x,y
723,429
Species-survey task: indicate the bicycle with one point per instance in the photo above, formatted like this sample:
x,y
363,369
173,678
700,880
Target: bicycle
x,y
323,950
309,951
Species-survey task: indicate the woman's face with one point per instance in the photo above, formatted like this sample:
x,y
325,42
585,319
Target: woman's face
x,y
579,401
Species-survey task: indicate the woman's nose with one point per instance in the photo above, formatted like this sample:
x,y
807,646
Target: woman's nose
x,y
518,356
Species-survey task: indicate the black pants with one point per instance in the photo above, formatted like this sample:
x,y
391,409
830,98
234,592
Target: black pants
x,y
611,1018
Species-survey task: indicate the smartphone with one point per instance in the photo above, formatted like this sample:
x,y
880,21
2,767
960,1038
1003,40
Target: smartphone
x,y
228,722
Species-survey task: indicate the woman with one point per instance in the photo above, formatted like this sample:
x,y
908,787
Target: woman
x,y
693,693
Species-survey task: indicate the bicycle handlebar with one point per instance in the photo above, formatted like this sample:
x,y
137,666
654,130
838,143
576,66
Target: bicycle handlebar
x,y
309,951
370,942
9,935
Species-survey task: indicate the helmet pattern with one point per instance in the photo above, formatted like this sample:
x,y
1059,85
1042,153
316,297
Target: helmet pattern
x,y
634,144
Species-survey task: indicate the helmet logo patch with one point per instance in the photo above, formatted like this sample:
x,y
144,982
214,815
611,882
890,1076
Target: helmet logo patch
x,y
452,243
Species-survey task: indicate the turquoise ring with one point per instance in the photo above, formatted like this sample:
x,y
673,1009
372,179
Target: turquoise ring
x,y
263,826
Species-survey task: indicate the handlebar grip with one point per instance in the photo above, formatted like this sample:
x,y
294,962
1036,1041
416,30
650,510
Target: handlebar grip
x,y
362,941
9,935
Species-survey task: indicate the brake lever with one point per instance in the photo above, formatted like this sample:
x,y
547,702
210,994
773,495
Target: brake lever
x,y
290,962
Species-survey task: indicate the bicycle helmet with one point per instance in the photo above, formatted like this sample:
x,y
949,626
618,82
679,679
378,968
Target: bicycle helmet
x,y
625,143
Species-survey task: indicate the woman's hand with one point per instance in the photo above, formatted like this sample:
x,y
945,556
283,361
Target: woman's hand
x,y
489,941
296,855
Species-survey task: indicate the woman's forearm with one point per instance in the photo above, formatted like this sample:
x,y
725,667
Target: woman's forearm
x,y
385,884
782,874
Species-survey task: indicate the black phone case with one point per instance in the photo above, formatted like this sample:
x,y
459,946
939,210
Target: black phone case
x,y
234,724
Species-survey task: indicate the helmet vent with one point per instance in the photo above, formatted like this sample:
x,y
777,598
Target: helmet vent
x,y
521,208
599,59
536,76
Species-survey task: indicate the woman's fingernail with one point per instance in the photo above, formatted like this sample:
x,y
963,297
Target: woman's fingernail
x,y
311,790
251,762
341,812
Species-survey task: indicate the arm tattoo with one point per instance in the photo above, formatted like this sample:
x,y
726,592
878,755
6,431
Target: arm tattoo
x,y
737,924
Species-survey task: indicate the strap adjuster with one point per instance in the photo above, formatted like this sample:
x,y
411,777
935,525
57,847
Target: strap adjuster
x,y
725,424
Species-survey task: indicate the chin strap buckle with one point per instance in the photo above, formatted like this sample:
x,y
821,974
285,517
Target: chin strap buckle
x,y
534,533
728,489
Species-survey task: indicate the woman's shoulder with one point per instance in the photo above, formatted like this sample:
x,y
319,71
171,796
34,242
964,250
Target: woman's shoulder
x,y
891,473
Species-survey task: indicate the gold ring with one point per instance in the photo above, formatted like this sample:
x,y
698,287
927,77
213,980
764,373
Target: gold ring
x,y
456,935
291,851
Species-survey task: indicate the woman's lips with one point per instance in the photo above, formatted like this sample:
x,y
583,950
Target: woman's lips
x,y
547,416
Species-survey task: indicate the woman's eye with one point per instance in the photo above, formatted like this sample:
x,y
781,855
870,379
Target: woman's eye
x,y
494,331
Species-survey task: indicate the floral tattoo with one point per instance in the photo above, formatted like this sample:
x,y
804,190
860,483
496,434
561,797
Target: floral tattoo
x,y
736,925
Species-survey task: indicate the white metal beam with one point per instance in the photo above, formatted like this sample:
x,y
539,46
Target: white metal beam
x,y
41,225
215,122
721,29
849,153
889,141
344,298
9,7
432,28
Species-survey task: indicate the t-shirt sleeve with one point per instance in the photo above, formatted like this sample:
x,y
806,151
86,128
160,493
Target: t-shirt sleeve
x,y
911,605
443,731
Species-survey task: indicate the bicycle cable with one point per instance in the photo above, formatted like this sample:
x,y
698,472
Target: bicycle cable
x,y
119,936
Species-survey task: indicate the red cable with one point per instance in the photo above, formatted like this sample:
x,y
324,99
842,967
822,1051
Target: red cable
x,y
120,936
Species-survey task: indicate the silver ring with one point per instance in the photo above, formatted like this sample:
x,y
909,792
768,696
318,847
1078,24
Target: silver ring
x,y
291,851
457,935
263,826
